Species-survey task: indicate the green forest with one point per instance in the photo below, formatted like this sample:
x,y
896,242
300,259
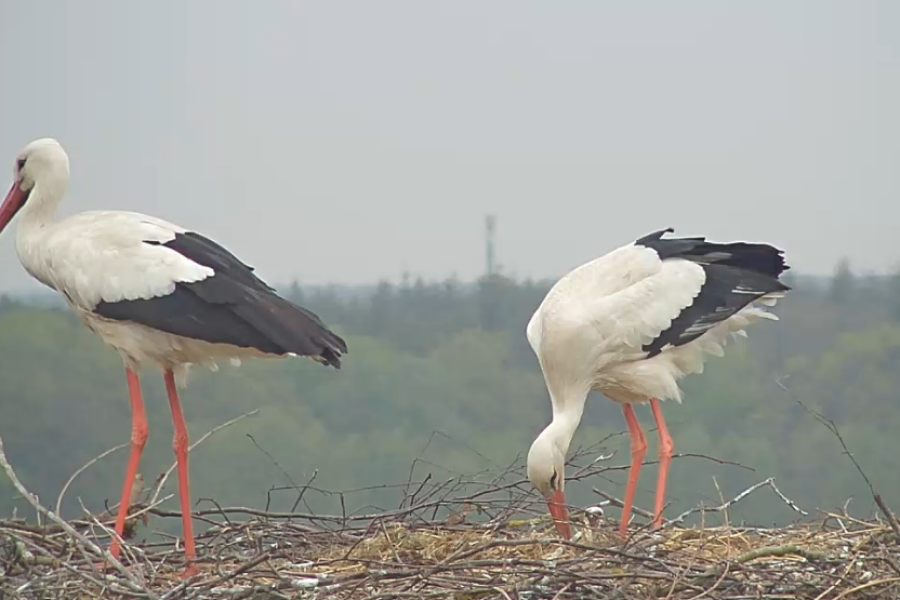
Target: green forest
x,y
441,371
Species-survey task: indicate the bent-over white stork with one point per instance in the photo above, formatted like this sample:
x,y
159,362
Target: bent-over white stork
x,y
630,325
157,293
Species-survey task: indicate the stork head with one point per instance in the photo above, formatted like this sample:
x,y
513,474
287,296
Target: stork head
x,y
42,160
547,473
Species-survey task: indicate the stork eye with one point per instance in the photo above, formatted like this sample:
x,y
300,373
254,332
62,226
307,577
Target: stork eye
x,y
20,164
553,480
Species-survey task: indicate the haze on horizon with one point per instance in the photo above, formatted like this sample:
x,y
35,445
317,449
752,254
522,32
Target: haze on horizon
x,y
348,142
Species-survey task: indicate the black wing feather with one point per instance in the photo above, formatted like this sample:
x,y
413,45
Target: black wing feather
x,y
234,306
736,274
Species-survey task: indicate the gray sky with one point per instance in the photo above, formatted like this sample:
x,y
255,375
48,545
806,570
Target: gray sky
x,y
346,142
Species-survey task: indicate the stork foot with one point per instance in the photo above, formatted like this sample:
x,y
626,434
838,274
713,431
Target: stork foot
x,y
190,570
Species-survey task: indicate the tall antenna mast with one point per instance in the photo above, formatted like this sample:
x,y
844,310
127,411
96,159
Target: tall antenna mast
x,y
490,225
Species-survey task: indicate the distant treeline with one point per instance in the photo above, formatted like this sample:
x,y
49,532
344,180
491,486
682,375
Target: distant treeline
x,y
452,357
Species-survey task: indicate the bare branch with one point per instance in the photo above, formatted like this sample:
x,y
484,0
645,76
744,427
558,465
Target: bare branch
x,y
86,543
833,428
162,481
62,492
481,535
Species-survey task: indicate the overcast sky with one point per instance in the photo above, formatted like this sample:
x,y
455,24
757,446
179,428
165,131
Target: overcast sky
x,y
348,142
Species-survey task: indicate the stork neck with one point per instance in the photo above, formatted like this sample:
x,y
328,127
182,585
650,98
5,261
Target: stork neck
x,y
44,199
567,414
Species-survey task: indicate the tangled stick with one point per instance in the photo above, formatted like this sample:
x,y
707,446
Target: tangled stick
x,y
472,536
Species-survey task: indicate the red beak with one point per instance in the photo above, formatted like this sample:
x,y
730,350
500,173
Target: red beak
x,y
11,204
560,514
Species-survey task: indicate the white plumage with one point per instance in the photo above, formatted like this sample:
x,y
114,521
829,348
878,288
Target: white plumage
x,y
157,293
634,322
102,256
589,330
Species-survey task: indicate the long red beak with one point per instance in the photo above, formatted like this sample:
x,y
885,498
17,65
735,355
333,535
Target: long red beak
x,y
560,514
11,204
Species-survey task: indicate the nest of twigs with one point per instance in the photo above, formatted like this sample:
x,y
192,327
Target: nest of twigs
x,y
469,537
268,558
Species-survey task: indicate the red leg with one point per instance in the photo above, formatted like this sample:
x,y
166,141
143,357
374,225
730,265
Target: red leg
x,y
638,450
665,458
139,433
180,444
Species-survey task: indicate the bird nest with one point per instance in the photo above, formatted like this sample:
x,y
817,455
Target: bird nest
x,y
269,558
469,537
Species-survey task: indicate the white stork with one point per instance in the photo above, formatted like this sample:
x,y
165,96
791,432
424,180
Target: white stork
x,y
630,325
157,293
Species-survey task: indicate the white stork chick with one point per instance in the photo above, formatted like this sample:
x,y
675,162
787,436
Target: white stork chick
x,y
630,325
157,293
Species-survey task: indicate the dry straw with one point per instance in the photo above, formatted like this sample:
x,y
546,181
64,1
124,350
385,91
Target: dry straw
x,y
463,538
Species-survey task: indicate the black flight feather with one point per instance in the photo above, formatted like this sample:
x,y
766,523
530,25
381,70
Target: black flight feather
x,y
232,307
736,274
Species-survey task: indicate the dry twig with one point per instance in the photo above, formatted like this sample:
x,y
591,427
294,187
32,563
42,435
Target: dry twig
x,y
833,428
500,545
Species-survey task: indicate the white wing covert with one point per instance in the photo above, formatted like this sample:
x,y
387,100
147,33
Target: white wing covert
x,y
638,314
104,256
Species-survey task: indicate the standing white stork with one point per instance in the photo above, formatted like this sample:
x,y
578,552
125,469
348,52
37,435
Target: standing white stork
x,y
157,293
630,325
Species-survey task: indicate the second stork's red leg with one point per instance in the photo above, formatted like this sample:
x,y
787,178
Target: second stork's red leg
x,y
665,458
638,450
180,444
139,433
